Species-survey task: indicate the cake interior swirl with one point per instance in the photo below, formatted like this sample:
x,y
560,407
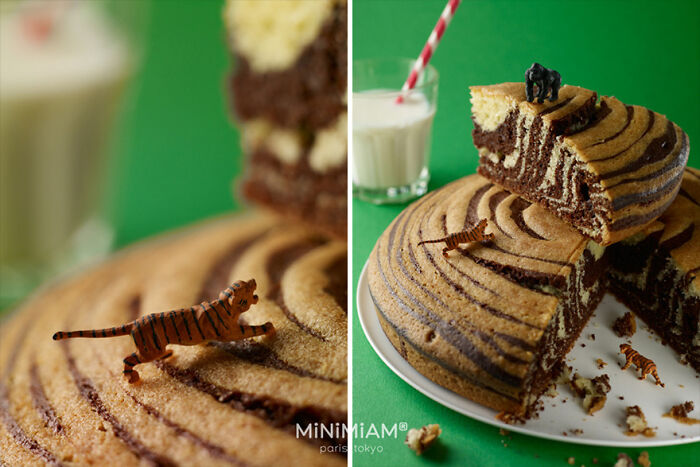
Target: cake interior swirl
x,y
656,273
606,168
492,320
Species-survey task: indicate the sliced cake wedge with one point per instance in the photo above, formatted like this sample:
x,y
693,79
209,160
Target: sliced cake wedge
x,y
606,168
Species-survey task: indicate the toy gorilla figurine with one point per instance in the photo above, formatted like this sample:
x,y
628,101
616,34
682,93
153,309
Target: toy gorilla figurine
x,y
545,79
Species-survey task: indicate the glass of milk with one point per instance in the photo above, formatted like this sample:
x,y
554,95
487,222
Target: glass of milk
x,y
64,65
391,140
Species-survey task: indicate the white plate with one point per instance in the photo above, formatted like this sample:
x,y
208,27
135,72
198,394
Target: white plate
x,y
604,428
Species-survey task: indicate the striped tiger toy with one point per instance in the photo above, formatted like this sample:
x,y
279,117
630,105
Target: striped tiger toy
x,y
474,234
647,366
216,320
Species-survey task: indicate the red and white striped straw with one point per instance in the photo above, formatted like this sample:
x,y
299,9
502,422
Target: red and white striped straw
x,y
429,48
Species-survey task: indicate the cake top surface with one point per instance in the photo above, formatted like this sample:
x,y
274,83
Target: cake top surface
x,y
510,284
514,94
226,402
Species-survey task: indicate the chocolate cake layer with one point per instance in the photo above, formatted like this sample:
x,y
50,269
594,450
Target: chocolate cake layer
x,y
490,320
226,403
299,192
311,92
656,273
606,168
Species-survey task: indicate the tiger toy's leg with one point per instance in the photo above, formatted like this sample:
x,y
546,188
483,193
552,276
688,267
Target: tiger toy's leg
x,y
141,357
445,251
628,362
652,371
129,363
266,329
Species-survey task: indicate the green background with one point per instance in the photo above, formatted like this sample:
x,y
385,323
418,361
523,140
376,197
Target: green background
x,y
178,151
641,52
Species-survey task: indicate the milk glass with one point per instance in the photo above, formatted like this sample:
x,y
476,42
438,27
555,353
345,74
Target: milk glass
x,y
391,140
64,65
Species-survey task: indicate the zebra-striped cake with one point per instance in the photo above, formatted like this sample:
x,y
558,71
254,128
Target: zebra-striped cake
x,y
607,168
656,273
490,320
289,95
223,403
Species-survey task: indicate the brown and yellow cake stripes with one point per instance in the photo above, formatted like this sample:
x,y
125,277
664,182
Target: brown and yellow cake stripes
x,y
489,321
65,403
607,168
289,96
656,273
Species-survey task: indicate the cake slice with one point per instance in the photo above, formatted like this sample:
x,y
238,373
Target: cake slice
x,y
289,95
490,320
656,273
606,168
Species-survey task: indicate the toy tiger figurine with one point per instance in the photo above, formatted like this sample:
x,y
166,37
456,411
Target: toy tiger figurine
x,y
474,234
215,320
647,366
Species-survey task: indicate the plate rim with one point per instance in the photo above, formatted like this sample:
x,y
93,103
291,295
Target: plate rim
x,y
442,395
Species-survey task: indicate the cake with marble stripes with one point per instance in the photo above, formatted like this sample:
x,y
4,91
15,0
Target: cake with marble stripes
x,y
490,320
656,273
607,168
289,96
222,403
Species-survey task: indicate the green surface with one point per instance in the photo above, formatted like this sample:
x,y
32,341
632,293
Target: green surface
x,y
179,152
641,52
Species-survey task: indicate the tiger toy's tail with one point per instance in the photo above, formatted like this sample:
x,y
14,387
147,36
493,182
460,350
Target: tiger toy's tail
x,y
106,332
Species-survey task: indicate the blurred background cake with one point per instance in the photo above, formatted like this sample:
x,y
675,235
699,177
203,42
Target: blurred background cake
x,y
288,91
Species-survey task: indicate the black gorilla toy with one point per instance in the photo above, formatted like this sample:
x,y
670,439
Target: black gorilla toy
x,y
545,79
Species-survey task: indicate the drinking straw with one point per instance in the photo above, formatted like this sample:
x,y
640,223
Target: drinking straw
x,y
429,48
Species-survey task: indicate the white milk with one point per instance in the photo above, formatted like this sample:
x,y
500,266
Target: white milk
x,y
391,142
59,94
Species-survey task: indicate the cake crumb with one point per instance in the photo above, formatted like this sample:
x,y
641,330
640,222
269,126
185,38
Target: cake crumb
x,y
503,432
421,439
680,413
576,431
625,326
600,363
571,460
637,423
591,337
593,391
582,344
563,372
552,391
509,418
643,459
623,460
595,460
